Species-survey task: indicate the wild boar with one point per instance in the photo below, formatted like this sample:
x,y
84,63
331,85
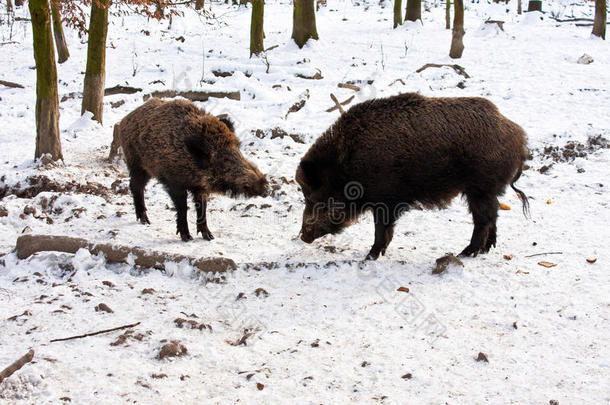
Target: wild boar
x,y
410,151
185,149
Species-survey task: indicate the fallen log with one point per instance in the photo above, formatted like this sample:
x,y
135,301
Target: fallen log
x,y
194,95
22,361
11,84
27,245
121,90
348,86
458,69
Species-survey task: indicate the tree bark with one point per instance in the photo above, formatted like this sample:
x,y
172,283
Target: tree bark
x,y
304,22
457,45
95,75
448,14
519,8
9,6
534,5
599,24
256,27
397,13
58,32
19,3
413,10
199,4
47,100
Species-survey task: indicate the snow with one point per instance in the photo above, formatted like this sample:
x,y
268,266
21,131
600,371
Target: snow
x,y
332,329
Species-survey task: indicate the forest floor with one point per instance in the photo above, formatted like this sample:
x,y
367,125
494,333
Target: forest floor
x,y
313,322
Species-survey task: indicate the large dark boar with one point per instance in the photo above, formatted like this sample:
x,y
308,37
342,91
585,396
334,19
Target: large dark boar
x,y
186,150
389,155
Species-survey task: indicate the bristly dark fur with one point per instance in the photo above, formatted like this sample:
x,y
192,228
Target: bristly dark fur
x,y
186,150
411,150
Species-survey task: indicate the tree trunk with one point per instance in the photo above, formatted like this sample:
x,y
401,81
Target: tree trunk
x,y
599,24
95,75
519,8
457,46
448,14
19,3
58,32
9,6
47,100
413,10
534,5
256,27
304,22
397,13
199,4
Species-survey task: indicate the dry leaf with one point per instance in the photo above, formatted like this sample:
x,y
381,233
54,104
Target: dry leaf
x,y
591,260
403,289
504,207
508,257
549,202
522,272
547,264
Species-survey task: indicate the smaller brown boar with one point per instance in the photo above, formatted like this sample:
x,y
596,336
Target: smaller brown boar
x,y
410,151
185,149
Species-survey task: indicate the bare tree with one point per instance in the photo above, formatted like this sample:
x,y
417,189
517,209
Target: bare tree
x,y
58,32
95,74
397,13
457,45
599,24
304,22
257,34
413,10
519,8
448,14
534,5
47,100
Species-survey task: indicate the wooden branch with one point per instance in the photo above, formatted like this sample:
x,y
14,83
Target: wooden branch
x,y
337,105
22,361
398,81
27,245
545,253
572,19
458,69
11,84
316,76
121,90
194,95
271,48
96,333
348,86
499,23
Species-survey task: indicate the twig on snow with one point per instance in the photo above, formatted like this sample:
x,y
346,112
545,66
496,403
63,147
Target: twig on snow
x,y
545,253
458,69
96,333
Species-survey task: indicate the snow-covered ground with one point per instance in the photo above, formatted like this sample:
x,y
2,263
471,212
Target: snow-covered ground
x,y
326,328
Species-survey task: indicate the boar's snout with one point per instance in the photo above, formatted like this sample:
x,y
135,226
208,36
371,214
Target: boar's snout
x,y
307,237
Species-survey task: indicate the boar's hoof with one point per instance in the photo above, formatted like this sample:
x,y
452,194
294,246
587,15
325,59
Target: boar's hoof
x,y
372,256
205,233
472,251
143,218
186,237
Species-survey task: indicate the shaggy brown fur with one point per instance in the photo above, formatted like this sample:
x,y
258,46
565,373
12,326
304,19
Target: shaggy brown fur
x,y
389,155
186,150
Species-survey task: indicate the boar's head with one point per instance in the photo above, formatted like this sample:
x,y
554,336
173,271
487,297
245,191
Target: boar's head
x,y
326,209
234,173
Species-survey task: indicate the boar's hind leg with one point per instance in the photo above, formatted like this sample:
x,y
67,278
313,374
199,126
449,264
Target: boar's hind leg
x,y
137,183
384,232
484,211
178,196
201,204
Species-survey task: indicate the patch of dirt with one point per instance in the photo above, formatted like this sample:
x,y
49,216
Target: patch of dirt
x,y
277,132
172,349
573,150
36,184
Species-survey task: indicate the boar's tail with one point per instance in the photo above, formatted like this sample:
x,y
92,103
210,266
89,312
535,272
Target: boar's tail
x,y
524,199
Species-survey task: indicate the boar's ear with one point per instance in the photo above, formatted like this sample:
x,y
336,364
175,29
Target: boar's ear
x,y
228,121
311,174
199,148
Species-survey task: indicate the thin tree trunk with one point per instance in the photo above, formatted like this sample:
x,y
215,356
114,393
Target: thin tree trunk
x,y
256,27
95,75
47,100
599,24
58,32
413,10
534,5
448,14
9,6
397,13
457,45
304,22
519,8
199,4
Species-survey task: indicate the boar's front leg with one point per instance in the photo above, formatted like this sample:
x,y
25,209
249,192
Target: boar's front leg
x,y
201,204
137,183
178,196
384,232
